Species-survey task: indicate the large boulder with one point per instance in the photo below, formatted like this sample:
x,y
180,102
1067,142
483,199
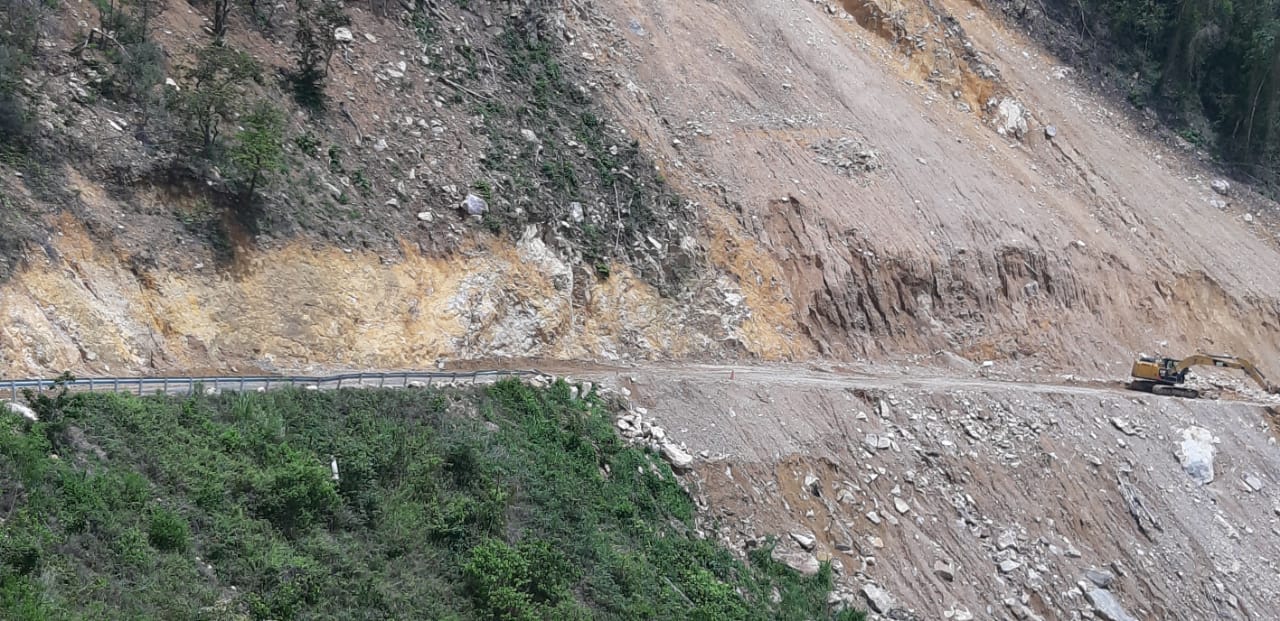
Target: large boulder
x,y
1106,605
878,598
680,460
802,562
22,410
1011,118
1196,453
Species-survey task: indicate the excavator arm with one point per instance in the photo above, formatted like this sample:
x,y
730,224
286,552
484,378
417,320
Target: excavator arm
x,y
1230,362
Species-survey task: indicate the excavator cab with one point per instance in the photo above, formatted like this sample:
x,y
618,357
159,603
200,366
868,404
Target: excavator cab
x,y
1160,370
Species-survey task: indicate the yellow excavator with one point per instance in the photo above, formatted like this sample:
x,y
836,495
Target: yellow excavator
x,y
1162,376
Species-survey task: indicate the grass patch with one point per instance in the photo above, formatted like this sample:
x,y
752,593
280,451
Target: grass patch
x,y
507,502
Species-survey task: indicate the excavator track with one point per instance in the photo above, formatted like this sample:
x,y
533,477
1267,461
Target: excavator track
x,y
1163,390
1175,391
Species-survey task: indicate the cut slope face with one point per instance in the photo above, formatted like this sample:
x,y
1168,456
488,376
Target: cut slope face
x,y
974,230
1009,501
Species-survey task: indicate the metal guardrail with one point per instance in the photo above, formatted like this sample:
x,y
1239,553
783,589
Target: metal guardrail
x,y
11,389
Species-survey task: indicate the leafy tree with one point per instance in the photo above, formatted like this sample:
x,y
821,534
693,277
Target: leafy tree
x,y
213,93
1212,65
259,149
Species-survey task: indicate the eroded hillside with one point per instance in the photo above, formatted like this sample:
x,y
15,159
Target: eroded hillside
x,y
761,178
954,498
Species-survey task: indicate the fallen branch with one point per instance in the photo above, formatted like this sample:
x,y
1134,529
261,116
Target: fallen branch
x,y
462,88
75,51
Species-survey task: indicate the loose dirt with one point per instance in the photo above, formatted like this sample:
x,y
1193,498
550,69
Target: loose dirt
x,y
892,473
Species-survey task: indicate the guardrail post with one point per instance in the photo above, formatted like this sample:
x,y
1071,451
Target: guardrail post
x,y
191,386
339,382
268,383
382,379
91,384
13,390
115,385
164,386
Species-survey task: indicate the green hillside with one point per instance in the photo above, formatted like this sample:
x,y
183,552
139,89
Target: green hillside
x,y
507,502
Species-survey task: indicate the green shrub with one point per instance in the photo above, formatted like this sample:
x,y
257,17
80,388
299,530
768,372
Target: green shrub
x,y
168,532
296,494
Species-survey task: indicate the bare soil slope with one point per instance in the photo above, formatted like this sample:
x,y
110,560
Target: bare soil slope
x,y
971,229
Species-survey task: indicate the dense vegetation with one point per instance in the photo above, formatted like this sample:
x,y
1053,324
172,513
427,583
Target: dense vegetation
x,y
1214,65
510,502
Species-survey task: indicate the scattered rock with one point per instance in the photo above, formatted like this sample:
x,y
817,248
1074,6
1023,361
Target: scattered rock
x,y
1196,453
802,562
475,205
1102,578
529,136
1123,426
944,570
343,35
901,505
1106,606
680,460
1031,289
806,540
849,155
1248,218
878,598
380,145
22,410
575,212
1254,483
1217,203
874,517
1050,131
1007,539
959,614
1221,186
1008,565
877,441
426,216
811,484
